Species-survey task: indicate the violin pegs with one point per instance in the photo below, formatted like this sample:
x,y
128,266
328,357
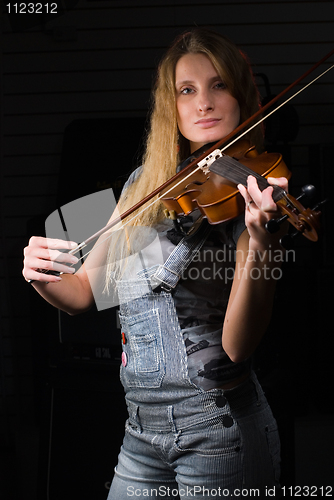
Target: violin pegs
x,y
273,225
287,240
308,191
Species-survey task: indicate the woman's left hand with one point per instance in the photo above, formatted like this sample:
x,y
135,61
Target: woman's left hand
x,y
260,208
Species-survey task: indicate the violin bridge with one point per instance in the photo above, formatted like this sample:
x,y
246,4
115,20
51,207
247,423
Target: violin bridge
x,y
208,160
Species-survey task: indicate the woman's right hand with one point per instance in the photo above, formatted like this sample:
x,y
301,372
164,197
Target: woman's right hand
x,y
44,254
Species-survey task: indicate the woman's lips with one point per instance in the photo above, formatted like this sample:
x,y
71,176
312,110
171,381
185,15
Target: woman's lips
x,y
207,122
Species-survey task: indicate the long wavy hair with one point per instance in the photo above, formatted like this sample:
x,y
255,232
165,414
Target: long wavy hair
x,y
165,145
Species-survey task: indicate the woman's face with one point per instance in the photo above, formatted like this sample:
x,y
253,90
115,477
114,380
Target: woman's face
x,y
206,111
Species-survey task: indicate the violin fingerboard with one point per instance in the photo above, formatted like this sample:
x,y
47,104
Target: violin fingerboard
x,y
236,172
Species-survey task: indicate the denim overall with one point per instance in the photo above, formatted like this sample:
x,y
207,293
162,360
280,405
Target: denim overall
x,y
180,440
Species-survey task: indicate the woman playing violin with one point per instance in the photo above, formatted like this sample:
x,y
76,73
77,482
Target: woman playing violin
x,y
199,423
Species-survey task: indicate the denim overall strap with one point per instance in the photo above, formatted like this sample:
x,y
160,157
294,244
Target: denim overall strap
x,y
168,274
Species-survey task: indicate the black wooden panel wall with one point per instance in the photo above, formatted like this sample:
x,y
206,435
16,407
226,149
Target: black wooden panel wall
x,y
96,60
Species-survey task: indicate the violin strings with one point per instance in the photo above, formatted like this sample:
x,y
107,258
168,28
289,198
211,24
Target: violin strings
x,y
232,168
237,172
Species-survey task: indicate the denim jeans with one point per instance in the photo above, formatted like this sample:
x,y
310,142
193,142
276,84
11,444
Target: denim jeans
x,y
181,441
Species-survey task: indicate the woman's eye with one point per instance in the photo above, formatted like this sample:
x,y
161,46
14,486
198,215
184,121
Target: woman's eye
x,y
186,90
220,85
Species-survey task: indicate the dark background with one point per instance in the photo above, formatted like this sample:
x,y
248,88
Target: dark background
x,y
75,91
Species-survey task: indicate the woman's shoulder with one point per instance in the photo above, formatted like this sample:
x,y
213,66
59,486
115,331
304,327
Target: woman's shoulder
x,y
133,177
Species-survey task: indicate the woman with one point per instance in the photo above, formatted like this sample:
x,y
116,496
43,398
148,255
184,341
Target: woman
x,y
199,424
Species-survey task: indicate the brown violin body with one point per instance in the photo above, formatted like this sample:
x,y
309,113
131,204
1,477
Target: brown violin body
x,y
218,199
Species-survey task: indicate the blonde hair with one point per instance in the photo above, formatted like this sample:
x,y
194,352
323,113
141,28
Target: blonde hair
x,y
165,146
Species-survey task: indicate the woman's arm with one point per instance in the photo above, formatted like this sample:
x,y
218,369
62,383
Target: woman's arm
x,y
259,254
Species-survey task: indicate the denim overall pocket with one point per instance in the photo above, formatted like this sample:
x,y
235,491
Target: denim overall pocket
x,y
142,359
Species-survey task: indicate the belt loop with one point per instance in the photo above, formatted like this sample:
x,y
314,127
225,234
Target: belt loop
x,y
133,410
140,429
171,419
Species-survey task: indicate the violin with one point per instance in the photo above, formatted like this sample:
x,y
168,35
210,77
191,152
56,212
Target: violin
x,y
211,188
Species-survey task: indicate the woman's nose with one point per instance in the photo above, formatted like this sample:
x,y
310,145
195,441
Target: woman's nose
x,y
205,103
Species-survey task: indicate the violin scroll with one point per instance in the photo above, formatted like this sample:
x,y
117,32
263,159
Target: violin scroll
x,y
305,220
